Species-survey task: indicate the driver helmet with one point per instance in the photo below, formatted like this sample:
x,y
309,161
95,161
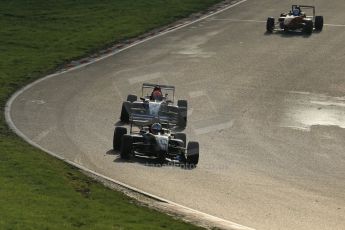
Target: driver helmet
x,y
157,94
156,128
296,11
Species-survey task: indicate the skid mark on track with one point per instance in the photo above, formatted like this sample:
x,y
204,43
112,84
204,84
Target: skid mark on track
x,y
43,134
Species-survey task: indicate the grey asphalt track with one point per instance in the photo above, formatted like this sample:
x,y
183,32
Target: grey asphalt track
x,y
267,109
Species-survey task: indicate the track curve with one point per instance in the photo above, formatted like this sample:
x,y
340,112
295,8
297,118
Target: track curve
x,y
267,110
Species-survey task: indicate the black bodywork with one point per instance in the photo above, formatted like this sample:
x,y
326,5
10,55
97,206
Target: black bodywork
x,y
163,146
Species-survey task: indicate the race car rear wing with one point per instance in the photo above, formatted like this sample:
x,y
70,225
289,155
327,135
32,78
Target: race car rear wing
x,y
147,119
152,86
303,6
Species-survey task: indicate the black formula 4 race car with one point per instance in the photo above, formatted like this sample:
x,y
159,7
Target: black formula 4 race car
x,y
162,145
153,107
296,20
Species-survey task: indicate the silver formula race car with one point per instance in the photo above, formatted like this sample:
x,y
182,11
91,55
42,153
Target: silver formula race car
x,y
155,100
296,20
152,140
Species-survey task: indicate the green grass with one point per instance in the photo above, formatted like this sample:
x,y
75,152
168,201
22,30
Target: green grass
x,y
37,36
38,192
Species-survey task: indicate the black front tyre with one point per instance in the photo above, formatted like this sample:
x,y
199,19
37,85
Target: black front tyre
x,y
125,111
118,133
270,25
126,147
192,153
318,23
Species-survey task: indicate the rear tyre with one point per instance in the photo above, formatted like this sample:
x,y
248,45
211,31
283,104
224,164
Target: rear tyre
x,y
125,111
193,153
318,23
270,25
126,147
132,98
118,133
181,136
183,108
182,117
308,27
182,103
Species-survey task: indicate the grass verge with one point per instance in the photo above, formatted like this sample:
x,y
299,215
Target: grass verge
x,y
38,191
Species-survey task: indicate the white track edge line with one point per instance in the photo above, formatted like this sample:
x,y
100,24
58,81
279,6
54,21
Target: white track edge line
x,y
12,126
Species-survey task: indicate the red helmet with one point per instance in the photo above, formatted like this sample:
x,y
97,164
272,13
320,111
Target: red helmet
x,y
157,95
